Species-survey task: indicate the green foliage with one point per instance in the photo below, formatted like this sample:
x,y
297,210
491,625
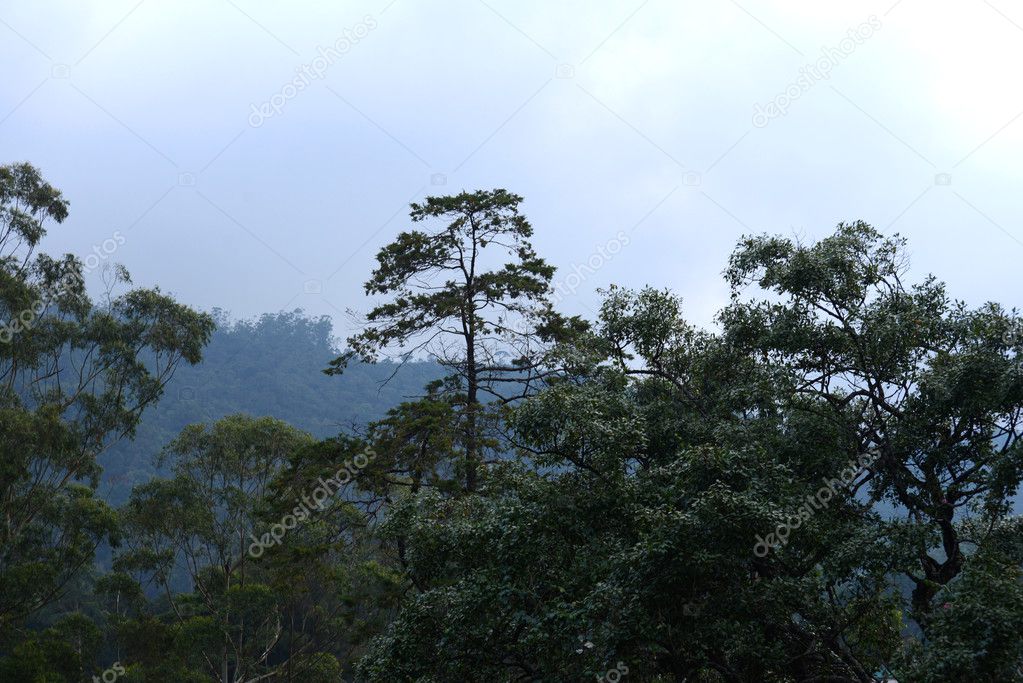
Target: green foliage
x,y
818,490
930,386
66,651
975,631
655,462
118,357
203,519
479,319
456,250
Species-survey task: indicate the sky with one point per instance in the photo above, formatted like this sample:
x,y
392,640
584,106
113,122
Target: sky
x,y
254,155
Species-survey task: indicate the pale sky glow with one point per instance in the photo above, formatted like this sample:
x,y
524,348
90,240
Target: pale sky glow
x,y
606,116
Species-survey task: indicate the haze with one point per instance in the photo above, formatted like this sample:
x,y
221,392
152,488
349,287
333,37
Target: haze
x,y
610,118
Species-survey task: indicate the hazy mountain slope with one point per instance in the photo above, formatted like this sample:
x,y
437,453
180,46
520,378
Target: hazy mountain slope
x,y
270,366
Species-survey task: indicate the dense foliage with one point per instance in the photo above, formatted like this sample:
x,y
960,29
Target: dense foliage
x,y
819,489
76,376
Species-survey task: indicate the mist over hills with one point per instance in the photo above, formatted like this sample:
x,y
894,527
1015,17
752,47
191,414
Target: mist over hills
x,y
271,365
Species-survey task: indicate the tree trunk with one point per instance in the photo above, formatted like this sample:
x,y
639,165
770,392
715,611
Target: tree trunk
x,y
472,455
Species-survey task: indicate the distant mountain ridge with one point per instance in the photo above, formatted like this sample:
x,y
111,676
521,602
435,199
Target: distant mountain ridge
x,y
273,366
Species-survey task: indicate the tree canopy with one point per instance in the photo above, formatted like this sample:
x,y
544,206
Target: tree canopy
x,y
818,488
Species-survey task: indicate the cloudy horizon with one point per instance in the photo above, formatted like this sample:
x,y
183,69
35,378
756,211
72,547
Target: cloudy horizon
x,y
255,156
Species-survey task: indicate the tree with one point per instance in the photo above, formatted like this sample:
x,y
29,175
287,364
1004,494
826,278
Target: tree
x,y
204,522
627,536
817,490
74,377
708,507
451,299
933,387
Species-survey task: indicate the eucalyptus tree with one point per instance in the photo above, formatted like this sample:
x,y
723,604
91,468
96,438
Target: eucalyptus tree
x,y
469,291
210,522
74,377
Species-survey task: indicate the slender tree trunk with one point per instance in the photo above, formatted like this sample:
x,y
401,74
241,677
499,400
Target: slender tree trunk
x,y
472,455
227,629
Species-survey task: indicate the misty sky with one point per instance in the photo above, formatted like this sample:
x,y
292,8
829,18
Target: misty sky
x,y
255,155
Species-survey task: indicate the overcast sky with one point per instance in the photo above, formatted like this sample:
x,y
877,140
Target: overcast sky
x,y
255,155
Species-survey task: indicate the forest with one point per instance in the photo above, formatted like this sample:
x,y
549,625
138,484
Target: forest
x,y
477,486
